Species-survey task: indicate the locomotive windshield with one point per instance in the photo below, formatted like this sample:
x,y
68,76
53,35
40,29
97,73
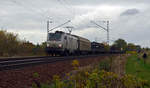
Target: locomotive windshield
x,y
54,36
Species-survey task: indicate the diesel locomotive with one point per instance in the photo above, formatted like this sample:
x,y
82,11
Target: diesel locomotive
x,y
65,44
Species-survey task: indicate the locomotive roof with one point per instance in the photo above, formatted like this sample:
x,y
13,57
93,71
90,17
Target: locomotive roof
x,y
71,34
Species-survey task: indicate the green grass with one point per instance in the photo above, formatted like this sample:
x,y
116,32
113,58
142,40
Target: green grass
x,y
137,67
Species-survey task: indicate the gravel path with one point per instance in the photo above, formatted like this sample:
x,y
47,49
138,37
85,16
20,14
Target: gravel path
x,y
23,78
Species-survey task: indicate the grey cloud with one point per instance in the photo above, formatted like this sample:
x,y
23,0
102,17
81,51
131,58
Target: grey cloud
x,y
110,2
130,12
133,28
24,16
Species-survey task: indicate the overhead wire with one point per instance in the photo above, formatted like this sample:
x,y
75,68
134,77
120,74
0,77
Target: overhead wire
x,y
73,9
66,6
64,3
69,9
28,8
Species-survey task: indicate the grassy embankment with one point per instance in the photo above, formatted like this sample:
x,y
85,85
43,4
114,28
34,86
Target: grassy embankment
x,y
98,76
135,66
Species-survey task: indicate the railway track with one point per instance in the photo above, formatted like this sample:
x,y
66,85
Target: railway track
x,y
17,63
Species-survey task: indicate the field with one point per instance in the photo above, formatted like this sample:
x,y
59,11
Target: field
x,y
135,66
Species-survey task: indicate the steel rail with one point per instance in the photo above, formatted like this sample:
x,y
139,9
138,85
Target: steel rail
x,y
20,63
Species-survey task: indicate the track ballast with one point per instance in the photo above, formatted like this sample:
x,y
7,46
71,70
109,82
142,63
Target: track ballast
x,y
16,63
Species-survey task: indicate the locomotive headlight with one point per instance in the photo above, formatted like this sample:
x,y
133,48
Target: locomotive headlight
x,y
60,45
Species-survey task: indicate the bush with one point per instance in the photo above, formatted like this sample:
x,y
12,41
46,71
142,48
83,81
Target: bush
x,y
96,78
105,65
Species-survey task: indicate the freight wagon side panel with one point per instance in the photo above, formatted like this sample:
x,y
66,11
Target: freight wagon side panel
x,y
84,44
72,44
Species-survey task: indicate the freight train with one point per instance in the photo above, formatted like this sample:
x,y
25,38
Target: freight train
x,y
67,44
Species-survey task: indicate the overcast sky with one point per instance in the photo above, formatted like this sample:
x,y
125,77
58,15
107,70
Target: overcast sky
x,y
129,19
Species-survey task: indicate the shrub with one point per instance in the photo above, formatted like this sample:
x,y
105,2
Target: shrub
x,y
96,78
75,64
35,75
105,65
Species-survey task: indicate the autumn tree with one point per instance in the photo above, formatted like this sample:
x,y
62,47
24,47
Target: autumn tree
x,y
26,48
40,48
8,43
120,44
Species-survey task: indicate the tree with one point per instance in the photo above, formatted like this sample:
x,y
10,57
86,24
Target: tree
x,y
8,43
138,48
27,48
120,44
131,47
43,45
39,49
2,42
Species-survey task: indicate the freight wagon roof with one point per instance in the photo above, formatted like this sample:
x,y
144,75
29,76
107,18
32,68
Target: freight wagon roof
x,y
81,38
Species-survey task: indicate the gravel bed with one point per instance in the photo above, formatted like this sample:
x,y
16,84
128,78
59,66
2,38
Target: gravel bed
x,y
23,78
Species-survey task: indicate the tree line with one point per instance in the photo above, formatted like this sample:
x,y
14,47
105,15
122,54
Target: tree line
x,y
11,45
122,45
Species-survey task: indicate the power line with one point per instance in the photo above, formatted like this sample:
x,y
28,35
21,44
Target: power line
x,y
28,8
66,7
69,28
48,30
58,25
106,29
68,4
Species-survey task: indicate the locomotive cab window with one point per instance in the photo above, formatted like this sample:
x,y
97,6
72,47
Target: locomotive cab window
x,y
65,37
55,36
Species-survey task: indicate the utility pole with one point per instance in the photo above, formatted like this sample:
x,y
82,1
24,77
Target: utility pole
x,y
108,32
48,28
106,29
